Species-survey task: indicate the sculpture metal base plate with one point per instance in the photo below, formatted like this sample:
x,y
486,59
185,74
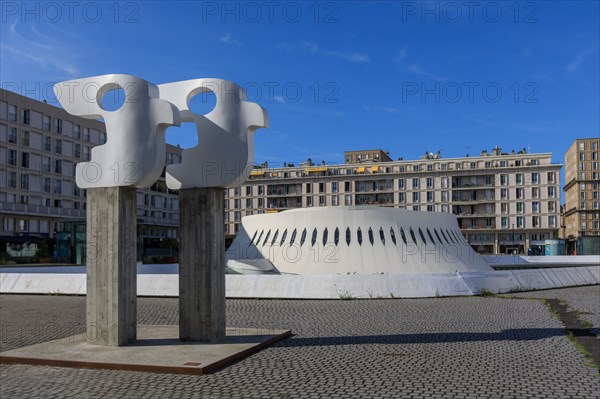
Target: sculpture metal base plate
x,y
157,349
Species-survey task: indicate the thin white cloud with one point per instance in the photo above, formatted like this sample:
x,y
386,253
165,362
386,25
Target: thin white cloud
x,y
351,57
400,56
40,50
573,66
314,48
414,68
310,47
384,109
418,70
228,39
279,99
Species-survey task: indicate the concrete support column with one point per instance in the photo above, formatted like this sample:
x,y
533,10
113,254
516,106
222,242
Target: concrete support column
x,y
111,300
201,265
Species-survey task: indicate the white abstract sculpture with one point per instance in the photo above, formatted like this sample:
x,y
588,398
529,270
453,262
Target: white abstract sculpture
x,y
225,151
134,152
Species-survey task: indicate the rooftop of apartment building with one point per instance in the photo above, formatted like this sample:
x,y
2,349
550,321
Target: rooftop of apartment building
x,y
356,157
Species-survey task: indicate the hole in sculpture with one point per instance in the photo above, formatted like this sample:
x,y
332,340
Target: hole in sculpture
x,y
113,99
184,136
202,103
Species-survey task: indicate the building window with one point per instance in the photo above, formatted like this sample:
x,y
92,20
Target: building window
x,y
429,196
551,192
535,221
321,200
309,201
26,116
535,207
12,113
103,139
503,180
519,192
308,188
86,153
12,179
519,178
551,206
46,123
347,200
11,159
47,184
445,196
335,200
12,135
46,164
77,150
77,132
401,184
402,198
25,138
58,166
520,207
25,181
520,222
25,159
416,197
430,182
504,208
58,123
535,192
535,178
58,186
86,134
47,143
334,187
415,183
58,146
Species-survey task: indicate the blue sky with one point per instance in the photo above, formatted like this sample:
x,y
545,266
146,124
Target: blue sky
x,y
401,76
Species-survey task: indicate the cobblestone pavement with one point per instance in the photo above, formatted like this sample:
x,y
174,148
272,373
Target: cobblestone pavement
x,y
586,300
471,347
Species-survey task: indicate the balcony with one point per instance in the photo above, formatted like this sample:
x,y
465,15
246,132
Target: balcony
x,y
28,209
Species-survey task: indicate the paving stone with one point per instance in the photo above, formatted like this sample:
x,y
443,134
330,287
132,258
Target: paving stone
x,y
475,347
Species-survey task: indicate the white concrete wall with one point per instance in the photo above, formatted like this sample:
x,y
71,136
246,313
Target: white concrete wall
x,y
328,286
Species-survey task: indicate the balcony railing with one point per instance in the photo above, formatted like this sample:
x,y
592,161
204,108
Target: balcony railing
x,y
41,210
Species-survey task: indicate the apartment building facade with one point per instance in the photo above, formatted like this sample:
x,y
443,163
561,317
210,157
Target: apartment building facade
x,y
504,202
40,144
582,180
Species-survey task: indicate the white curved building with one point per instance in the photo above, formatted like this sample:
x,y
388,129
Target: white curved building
x,y
352,240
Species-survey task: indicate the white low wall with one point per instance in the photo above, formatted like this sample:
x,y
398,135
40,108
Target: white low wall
x,y
328,286
518,261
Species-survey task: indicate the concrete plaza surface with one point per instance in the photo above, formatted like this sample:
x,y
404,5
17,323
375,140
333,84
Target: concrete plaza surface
x,y
463,347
